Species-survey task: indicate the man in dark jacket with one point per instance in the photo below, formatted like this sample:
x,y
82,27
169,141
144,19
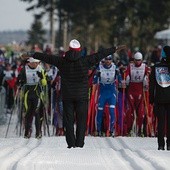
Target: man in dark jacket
x,y
159,93
74,86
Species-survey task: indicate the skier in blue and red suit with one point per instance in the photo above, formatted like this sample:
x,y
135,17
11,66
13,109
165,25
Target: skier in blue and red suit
x,y
107,93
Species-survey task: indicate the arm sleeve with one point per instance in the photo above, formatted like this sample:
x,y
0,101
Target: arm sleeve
x,y
152,85
97,57
50,59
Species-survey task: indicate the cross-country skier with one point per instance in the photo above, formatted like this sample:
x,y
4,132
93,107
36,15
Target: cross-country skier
x,y
137,80
9,80
107,74
32,77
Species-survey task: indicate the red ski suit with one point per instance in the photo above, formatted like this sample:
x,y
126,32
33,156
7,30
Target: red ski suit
x,y
136,79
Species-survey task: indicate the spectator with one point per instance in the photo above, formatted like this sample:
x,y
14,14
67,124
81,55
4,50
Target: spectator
x,y
159,90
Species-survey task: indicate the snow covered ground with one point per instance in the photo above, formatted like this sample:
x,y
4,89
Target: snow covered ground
x,y
99,153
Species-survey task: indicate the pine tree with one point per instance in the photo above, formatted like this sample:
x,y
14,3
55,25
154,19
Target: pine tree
x,y
36,34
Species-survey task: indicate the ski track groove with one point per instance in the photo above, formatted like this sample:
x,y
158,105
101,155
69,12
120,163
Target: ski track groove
x,y
152,159
134,156
127,154
147,156
10,160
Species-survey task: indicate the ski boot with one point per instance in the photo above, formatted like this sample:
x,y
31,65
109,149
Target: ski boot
x,y
27,134
38,135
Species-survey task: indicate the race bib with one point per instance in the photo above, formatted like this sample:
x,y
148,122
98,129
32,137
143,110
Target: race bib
x,y
162,76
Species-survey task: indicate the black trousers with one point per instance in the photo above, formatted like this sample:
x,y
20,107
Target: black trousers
x,y
34,109
75,110
163,115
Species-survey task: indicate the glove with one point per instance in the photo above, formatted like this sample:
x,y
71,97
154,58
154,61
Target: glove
x,y
146,88
43,82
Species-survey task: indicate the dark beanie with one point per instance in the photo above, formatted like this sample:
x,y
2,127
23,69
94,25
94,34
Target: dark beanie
x,y
167,51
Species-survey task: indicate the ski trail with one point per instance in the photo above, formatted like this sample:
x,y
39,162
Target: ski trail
x,y
54,153
135,155
135,161
7,146
72,159
15,153
158,159
125,153
98,153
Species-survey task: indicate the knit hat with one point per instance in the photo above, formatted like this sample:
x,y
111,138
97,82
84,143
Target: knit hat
x,y
109,57
165,51
74,45
32,60
138,56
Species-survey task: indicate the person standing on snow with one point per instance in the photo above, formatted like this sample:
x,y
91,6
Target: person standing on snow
x,y
9,80
159,95
107,74
74,86
136,80
32,78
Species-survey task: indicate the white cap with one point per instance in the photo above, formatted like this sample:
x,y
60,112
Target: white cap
x,y
74,44
138,56
32,60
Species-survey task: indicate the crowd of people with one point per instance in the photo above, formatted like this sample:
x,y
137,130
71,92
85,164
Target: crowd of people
x,y
104,95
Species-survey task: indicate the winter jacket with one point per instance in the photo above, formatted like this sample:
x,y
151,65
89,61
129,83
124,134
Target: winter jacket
x,y
74,70
159,86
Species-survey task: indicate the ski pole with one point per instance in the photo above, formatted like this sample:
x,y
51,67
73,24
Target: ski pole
x,y
21,108
45,105
15,98
89,109
123,101
8,124
149,128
